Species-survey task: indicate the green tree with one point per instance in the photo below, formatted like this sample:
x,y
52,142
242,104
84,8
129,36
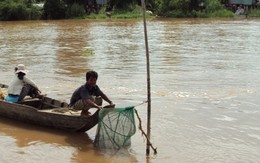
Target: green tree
x,y
13,10
173,8
189,8
122,5
54,9
213,5
75,10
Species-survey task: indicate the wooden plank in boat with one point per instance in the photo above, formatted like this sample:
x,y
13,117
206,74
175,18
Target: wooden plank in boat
x,y
63,111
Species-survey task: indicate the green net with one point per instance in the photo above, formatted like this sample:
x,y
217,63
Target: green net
x,y
115,128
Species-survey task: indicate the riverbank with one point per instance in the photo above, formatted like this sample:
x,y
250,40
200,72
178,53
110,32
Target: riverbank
x,y
137,14
23,11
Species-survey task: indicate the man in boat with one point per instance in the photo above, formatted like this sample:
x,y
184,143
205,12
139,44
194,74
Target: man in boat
x,y
22,86
88,95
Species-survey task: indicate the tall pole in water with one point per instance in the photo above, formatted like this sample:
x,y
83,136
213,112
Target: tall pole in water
x,y
148,80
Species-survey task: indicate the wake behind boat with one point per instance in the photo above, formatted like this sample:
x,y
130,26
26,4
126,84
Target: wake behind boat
x,y
47,112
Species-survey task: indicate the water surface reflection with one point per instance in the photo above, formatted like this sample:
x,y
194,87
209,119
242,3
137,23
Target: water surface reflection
x,y
205,77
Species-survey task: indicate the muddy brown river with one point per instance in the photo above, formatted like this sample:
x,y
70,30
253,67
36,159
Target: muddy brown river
x,y
205,87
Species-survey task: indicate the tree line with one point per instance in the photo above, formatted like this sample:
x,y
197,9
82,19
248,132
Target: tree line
x,y
65,9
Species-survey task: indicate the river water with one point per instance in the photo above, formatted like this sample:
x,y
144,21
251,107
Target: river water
x,y
205,84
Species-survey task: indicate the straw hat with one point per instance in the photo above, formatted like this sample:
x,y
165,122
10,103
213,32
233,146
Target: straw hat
x,y
21,68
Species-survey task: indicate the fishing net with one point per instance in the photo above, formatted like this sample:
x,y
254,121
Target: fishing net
x,y
115,128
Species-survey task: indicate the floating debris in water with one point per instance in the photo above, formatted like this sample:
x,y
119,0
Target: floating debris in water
x,y
88,51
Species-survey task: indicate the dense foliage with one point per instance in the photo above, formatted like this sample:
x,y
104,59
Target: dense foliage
x,y
54,9
18,10
61,9
189,8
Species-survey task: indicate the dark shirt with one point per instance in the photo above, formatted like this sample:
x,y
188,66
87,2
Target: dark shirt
x,y
84,92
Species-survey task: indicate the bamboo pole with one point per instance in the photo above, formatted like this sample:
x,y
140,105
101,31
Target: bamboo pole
x,y
148,80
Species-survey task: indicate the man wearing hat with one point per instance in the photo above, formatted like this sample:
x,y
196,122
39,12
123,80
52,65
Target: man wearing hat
x,y
21,86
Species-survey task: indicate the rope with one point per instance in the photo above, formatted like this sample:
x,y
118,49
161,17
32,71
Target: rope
x,y
143,133
141,103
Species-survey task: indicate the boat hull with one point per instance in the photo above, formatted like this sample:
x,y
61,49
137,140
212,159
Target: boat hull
x,y
48,112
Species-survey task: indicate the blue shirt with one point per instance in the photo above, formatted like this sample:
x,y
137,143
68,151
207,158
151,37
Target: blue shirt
x,y
84,92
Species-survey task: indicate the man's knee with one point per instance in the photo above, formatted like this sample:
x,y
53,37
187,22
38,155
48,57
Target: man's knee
x,y
80,105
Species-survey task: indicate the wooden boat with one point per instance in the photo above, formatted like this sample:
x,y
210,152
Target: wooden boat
x,y
47,112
